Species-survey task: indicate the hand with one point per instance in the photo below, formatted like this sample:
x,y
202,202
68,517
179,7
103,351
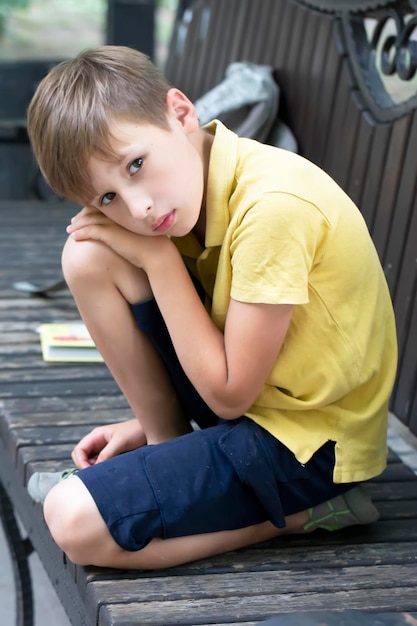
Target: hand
x,y
105,442
91,224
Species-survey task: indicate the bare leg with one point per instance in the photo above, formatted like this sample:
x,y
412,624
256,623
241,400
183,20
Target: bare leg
x,y
81,532
104,285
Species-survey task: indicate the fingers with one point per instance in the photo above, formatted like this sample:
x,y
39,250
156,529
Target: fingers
x,y
105,442
113,448
82,232
88,449
87,218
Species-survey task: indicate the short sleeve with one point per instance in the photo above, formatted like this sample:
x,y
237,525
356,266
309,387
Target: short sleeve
x,y
276,243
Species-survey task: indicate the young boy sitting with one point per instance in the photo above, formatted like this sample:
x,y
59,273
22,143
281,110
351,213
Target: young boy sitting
x,y
225,282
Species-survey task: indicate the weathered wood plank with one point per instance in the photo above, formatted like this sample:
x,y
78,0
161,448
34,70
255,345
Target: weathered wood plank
x,y
226,587
314,114
327,579
276,556
388,190
196,612
395,471
43,372
391,491
398,222
65,387
73,417
338,617
57,404
356,179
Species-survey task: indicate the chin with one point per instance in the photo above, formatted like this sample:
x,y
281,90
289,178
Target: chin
x,y
181,231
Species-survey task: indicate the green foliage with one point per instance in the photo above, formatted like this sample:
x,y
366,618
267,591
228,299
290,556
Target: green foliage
x,y
166,4
6,5
61,28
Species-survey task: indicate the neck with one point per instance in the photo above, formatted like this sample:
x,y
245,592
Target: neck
x,y
199,229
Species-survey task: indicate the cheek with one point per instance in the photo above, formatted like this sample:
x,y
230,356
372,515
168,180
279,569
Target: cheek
x,y
180,176
193,178
177,184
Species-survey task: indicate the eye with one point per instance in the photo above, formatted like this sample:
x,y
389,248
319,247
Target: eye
x,y
135,165
107,198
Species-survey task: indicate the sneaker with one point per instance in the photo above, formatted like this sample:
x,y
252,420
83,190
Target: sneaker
x,y
41,483
347,509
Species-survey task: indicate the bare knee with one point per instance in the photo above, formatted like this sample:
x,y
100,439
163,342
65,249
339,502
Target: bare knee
x,y
74,520
85,261
90,267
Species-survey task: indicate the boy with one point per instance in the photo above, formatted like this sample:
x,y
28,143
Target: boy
x,y
225,282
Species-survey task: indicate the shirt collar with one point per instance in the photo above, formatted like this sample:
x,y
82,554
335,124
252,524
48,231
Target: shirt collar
x,y
220,181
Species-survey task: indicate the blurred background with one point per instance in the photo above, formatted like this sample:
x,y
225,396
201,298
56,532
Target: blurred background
x,y
35,35
45,29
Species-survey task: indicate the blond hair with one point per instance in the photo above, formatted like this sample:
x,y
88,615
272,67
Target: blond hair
x,y
68,117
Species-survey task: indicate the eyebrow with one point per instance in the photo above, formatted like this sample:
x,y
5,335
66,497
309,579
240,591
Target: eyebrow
x,y
121,157
115,157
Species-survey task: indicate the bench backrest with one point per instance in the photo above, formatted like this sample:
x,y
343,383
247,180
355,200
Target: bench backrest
x,y
352,119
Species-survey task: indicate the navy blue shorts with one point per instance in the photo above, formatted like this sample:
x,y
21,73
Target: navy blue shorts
x,y
226,475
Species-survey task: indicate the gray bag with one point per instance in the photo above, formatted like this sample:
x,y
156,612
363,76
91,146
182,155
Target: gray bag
x,y
246,101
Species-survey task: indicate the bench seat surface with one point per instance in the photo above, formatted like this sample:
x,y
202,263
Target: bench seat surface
x,y
46,408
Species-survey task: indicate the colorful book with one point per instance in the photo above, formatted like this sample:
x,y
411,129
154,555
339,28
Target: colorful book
x,y
69,341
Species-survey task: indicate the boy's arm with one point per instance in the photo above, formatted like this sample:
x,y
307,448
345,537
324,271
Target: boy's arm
x,y
103,284
228,369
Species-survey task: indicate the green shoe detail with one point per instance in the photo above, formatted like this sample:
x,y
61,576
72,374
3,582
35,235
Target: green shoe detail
x,y
348,509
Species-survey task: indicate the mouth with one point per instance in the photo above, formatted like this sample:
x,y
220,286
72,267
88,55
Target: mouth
x,y
163,224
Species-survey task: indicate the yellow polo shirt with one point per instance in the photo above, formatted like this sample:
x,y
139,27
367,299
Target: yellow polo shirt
x,y
281,231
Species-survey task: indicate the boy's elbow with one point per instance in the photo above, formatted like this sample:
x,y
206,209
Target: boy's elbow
x,y
230,415
229,409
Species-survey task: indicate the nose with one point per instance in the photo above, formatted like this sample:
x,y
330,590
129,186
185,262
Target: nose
x,y
138,203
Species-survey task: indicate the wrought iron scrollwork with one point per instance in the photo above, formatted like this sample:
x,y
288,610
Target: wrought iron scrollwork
x,y
382,47
398,51
380,38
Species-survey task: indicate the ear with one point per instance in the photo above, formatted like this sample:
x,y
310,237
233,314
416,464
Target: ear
x,y
182,110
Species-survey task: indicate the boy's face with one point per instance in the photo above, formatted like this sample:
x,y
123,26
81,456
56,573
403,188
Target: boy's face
x,y
157,186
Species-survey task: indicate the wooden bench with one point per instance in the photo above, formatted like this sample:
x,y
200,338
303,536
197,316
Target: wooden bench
x,y
46,408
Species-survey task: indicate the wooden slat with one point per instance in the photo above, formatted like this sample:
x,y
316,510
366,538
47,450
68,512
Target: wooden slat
x,y
357,174
295,59
210,64
283,35
323,132
239,17
404,401
46,408
332,162
389,182
404,207
266,587
313,115
375,171
83,415
268,23
196,611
